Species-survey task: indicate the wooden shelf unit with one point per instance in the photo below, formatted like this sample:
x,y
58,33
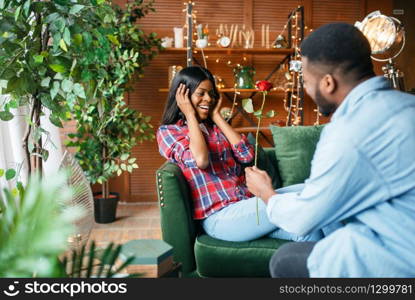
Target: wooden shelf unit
x,y
232,90
281,55
214,50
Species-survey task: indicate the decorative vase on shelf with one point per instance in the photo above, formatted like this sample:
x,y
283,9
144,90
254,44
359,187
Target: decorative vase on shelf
x,y
202,43
244,77
167,42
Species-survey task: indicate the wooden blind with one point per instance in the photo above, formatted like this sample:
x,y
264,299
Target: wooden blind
x,y
327,11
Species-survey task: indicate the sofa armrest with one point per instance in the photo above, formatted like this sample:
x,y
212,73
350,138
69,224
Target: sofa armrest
x,y
177,224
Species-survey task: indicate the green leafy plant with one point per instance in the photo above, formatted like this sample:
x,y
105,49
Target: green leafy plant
x,y
9,174
107,129
39,55
35,226
95,262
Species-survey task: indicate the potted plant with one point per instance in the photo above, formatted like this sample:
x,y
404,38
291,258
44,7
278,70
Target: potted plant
x,y
107,129
43,66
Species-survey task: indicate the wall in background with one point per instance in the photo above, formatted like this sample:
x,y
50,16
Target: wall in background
x,y
140,185
406,60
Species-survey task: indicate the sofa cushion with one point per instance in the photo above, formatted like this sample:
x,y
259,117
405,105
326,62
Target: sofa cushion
x,y
217,258
294,150
265,163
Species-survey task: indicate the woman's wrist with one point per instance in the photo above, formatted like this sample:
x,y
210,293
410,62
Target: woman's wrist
x,y
217,117
190,115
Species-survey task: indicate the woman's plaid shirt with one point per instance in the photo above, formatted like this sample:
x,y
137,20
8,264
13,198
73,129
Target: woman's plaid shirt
x,y
223,181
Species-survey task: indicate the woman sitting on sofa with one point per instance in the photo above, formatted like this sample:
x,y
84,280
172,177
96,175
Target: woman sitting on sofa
x,y
209,152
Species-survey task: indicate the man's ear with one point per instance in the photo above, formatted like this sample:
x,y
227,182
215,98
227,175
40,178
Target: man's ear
x,y
328,84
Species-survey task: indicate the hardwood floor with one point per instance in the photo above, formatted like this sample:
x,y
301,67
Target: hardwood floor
x,y
134,221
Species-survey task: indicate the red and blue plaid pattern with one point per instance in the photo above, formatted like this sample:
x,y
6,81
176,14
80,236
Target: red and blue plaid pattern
x,y
223,181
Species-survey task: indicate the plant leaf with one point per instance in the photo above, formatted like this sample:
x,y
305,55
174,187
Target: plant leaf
x,y
58,76
52,17
62,44
258,113
77,39
26,7
270,114
45,154
247,105
6,115
45,82
55,120
17,13
38,59
79,91
113,39
10,173
1,172
67,85
67,36
57,68
55,89
76,8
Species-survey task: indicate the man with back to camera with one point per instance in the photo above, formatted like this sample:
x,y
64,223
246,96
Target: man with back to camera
x,y
362,173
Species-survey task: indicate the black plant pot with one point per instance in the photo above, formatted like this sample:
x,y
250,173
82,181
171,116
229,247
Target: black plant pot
x,y
105,209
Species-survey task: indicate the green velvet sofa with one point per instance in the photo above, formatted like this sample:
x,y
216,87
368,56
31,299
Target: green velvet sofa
x,y
204,256
200,254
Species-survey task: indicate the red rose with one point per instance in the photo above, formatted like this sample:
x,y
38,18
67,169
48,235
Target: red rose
x,y
263,85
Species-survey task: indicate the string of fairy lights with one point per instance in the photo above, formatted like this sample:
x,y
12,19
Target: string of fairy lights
x,y
292,101
293,107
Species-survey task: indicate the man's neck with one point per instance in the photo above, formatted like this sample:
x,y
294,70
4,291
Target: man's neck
x,y
347,87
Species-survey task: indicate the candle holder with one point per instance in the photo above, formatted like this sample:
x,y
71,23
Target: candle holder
x,y
178,37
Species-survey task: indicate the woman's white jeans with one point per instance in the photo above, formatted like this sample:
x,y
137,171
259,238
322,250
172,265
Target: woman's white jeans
x,y
238,222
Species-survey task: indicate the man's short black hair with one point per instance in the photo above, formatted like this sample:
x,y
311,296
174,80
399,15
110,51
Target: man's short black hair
x,y
339,45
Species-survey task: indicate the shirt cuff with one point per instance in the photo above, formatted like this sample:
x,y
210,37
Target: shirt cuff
x,y
274,213
188,160
243,147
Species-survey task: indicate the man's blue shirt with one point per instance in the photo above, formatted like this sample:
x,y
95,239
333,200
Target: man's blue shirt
x,y
362,175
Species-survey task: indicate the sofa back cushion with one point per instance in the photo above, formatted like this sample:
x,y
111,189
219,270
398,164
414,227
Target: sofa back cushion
x,y
294,150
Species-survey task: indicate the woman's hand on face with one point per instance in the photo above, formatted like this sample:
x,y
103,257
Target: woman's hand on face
x,y
183,101
216,109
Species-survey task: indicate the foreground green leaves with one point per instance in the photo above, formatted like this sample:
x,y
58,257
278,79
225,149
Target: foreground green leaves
x,y
95,262
34,227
